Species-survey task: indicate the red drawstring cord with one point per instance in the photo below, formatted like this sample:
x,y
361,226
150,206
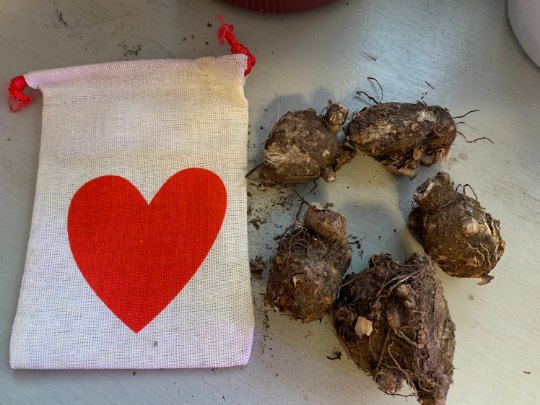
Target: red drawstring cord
x,y
225,33
17,99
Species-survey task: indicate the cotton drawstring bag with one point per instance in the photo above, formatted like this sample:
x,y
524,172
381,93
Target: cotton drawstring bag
x,y
138,254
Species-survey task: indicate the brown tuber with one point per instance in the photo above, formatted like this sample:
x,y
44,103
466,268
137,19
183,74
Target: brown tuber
x,y
307,269
394,323
301,147
462,238
398,135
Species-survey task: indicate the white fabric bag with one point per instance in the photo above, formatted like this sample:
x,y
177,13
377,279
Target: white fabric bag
x,y
138,253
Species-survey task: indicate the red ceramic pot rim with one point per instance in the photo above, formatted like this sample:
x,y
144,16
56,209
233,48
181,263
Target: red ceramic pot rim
x,y
278,6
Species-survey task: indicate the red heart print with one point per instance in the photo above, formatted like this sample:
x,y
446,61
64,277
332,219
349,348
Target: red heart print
x,y
136,256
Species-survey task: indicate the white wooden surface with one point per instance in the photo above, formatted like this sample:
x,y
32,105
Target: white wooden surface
x,y
464,48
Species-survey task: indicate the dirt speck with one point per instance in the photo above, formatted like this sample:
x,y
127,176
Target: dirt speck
x,y
358,245
372,59
257,222
60,18
131,51
336,355
256,267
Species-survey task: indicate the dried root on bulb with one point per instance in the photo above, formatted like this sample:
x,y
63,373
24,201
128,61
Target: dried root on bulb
x,y
398,135
462,238
302,148
308,267
394,323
